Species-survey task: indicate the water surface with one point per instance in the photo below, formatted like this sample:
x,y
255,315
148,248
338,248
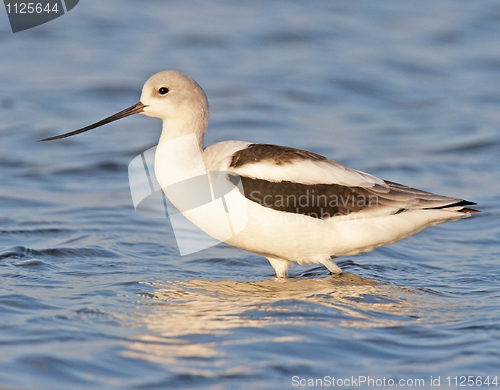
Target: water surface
x,y
94,296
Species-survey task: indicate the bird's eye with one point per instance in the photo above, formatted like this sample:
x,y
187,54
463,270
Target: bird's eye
x,y
163,91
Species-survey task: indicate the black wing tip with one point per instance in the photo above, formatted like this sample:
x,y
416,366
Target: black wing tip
x,y
461,203
467,210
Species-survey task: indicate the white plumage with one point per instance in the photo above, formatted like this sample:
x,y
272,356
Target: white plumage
x,y
354,212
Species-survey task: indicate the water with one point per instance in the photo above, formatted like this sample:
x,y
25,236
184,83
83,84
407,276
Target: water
x,y
94,296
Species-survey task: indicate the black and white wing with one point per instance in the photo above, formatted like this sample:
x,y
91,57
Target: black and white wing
x,y
295,181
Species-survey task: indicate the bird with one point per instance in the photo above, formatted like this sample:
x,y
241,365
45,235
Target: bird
x,y
295,206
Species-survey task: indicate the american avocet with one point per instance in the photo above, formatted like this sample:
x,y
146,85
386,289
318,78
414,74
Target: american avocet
x,y
299,206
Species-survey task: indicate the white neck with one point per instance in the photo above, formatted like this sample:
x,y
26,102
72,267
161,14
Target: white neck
x,y
188,120
179,152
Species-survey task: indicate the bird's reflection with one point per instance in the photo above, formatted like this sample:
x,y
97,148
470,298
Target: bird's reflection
x,y
194,318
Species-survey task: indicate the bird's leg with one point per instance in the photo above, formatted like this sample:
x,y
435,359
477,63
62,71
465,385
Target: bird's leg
x,y
334,268
279,265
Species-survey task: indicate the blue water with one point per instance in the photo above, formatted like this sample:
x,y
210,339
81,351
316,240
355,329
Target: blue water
x,y
93,296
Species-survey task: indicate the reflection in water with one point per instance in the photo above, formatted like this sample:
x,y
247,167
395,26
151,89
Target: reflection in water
x,y
194,318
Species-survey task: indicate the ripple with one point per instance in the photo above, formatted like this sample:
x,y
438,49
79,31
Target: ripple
x,y
23,303
474,146
226,262
32,264
20,252
101,167
36,232
291,37
363,87
202,40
